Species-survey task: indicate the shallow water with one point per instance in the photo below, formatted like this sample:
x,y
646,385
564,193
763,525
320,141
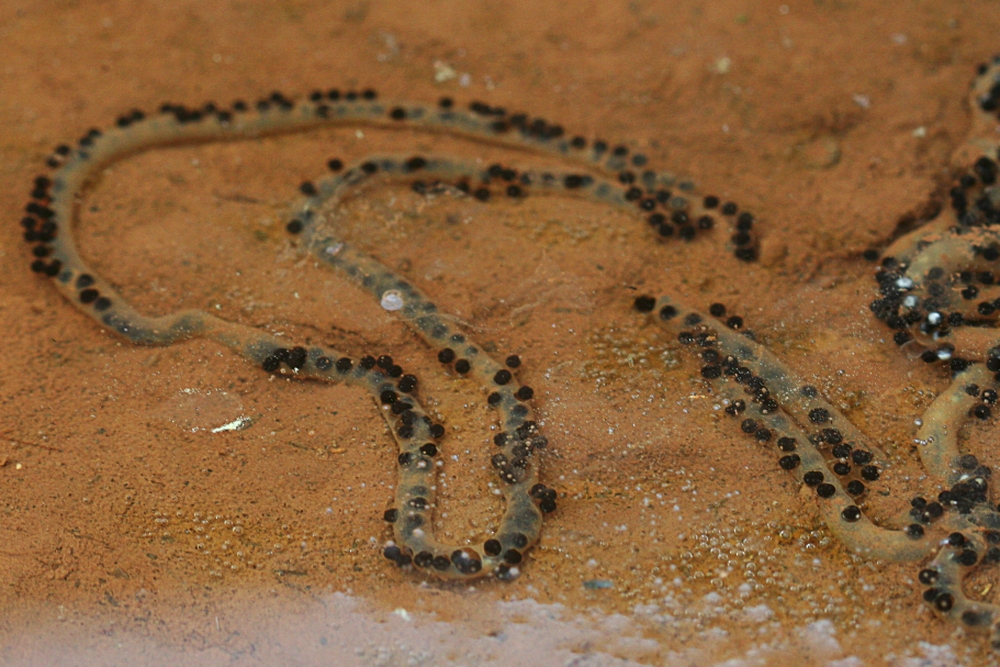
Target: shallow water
x,y
132,531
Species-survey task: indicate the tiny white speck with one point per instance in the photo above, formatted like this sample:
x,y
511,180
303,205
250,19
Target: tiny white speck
x,y
237,424
334,249
443,72
392,300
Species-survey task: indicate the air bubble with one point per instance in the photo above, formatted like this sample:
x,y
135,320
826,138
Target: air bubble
x,y
392,300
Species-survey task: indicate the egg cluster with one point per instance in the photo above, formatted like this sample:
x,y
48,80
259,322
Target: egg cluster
x,y
610,173
939,288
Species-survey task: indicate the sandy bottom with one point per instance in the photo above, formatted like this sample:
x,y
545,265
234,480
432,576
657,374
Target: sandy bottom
x,y
338,629
133,532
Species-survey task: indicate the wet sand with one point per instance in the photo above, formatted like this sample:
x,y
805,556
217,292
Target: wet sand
x,y
131,531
